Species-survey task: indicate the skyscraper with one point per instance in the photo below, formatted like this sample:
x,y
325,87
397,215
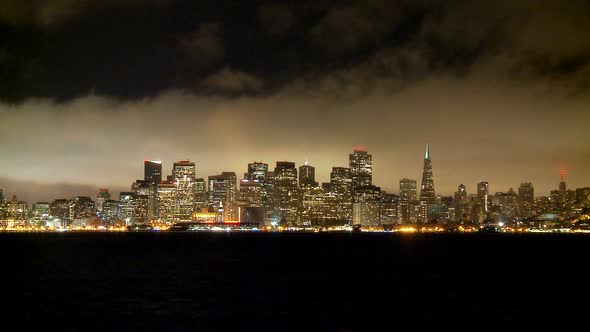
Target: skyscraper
x,y
102,196
200,194
483,201
427,194
152,171
183,173
407,189
286,192
562,188
166,202
361,168
146,197
526,199
256,171
338,199
222,196
307,176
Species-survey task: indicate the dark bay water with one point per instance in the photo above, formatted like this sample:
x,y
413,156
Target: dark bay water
x,y
301,282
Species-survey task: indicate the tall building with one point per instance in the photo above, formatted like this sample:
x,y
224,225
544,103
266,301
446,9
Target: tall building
x,y
388,212
256,171
361,168
583,196
286,192
526,199
366,206
102,196
166,202
40,213
427,194
17,212
2,206
81,207
183,173
307,176
200,194
147,205
127,206
312,205
60,209
152,171
483,201
338,196
460,201
562,188
222,196
407,189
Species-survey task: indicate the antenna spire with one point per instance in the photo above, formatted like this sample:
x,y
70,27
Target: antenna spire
x,y
427,154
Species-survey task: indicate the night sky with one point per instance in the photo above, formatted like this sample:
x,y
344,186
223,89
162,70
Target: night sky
x,y
91,88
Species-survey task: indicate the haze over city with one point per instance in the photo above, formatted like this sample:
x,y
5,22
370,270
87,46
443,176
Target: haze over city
x,y
93,88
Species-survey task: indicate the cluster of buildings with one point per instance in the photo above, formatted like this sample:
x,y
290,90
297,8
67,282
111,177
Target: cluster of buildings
x,y
289,196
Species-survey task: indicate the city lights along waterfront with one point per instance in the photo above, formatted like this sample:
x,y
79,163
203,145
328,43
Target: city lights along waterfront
x,y
288,198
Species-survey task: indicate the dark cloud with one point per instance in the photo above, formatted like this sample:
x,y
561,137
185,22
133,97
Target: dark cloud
x,y
232,82
205,45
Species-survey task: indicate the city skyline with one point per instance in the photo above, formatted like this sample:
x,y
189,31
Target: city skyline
x,y
162,171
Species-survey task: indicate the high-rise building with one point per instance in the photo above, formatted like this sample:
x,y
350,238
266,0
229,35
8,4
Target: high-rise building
x,y
17,212
102,196
183,173
361,168
60,209
338,196
200,194
407,189
460,201
81,207
307,176
427,194
366,206
526,199
312,205
483,201
562,188
583,196
222,196
152,171
127,206
166,202
388,212
2,206
40,213
147,205
111,212
286,192
256,171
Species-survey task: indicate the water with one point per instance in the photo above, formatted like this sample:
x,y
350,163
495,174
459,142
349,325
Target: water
x,y
299,282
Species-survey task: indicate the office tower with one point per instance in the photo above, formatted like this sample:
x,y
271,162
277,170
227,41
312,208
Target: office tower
x,y
366,206
81,207
427,194
145,192
312,206
286,192
127,205
152,171
361,168
200,194
250,194
111,212
40,213
256,171
307,176
526,199
2,206
338,196
102,196
388,213
507,204
222,196
562,188
403,211
269,200
407,189
60,209
460,201
482,200
17,212
167,202
183,173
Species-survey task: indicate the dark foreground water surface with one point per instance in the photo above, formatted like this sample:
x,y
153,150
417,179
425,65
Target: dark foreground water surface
x,y
299,282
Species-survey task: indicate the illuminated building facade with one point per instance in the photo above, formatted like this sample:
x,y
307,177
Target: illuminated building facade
x,y
366,206
388,211
183,174
338,196
152,171
286,193
312,205
407,189
307,176
166,202
526,200
200,194
482,197
145,193
102,196
222,196
427,194
60,209
81,207
361,168
40,213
